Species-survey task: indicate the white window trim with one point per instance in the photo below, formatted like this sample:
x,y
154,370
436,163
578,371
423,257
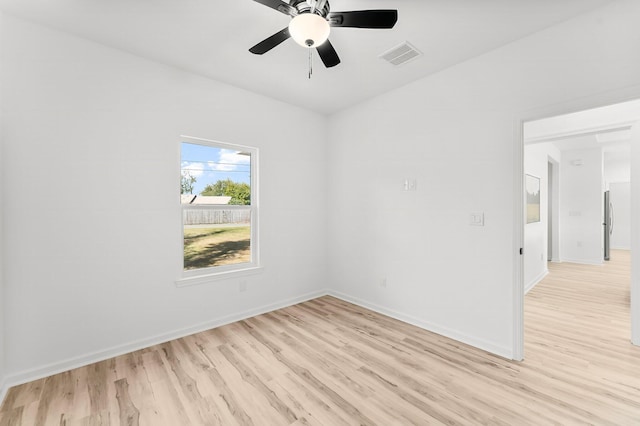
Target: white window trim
x,y
217,273
218,276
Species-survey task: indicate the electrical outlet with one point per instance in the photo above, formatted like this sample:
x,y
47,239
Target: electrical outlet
x,y
242,286
476,219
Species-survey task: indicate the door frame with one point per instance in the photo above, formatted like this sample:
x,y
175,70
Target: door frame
x,y
553,210
591,102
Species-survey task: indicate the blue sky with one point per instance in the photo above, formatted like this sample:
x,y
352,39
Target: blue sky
x,y
210,164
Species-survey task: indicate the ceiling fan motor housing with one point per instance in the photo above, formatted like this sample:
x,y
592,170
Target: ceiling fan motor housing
x,y
302,6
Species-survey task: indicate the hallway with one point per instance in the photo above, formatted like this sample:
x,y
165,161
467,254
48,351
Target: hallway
x,y
578,319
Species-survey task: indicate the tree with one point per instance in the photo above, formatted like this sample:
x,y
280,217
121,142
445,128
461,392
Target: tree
x,y
240,193
186,183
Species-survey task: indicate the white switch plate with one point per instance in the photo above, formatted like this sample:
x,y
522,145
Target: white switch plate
x,y
476,219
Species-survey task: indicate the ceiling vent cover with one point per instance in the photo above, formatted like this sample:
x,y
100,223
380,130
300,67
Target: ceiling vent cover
x,y
401,54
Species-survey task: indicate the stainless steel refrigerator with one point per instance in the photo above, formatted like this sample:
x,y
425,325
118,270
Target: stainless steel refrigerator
x,y
608,224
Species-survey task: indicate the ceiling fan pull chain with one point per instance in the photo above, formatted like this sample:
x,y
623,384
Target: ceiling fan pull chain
x,y
310,64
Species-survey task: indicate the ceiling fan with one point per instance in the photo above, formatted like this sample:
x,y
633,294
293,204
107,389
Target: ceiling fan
x,y
311,22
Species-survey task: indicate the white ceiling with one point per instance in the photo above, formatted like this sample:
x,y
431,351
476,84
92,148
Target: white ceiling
x,y
615,148
212,38
606,128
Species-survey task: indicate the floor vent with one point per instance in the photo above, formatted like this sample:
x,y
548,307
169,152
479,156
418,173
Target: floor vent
x,y
401,54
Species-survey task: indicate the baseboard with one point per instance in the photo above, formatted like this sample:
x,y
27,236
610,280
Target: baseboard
x,y
429,326
583,261
621,248
529,286
83,360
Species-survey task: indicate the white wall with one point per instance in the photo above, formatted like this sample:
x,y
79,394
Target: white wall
x,y
620,196
2,167
536,163
617,169
91,166
455,132
617,175
581,210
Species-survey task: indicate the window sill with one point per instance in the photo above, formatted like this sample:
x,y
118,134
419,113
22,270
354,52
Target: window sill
x,y
218,276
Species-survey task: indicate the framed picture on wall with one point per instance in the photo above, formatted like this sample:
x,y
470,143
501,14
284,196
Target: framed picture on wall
x,y
532,189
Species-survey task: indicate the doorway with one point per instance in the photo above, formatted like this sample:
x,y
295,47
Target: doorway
x,y
588,135
553,210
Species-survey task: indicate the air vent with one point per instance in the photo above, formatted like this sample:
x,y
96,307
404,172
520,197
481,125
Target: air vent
x,y
401,54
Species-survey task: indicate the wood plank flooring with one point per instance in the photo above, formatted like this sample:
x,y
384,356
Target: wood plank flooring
x,y
328,362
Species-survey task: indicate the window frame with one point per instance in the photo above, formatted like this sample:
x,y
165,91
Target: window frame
x,y
214,273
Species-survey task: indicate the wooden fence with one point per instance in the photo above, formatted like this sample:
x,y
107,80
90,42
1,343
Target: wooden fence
x,y
216,217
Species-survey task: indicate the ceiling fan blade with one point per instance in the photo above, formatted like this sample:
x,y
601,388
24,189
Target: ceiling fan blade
x,y
269,43
328,54
280,6
381,18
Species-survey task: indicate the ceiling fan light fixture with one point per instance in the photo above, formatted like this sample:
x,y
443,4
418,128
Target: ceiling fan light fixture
x,y
309,30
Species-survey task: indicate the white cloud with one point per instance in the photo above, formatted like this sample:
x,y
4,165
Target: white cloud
x,y
193,169
229,160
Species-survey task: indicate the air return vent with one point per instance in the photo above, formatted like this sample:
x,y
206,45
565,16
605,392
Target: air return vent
x,y
401,54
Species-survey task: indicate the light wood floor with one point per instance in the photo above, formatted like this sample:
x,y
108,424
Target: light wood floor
x,y
327,362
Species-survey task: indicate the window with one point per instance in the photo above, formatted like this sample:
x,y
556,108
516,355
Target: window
x,y
218,197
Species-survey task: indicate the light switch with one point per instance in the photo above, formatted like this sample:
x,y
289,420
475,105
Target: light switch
x,y
410,185
476,219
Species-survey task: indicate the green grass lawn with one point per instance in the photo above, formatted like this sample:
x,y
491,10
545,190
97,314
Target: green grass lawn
x,y
216,246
